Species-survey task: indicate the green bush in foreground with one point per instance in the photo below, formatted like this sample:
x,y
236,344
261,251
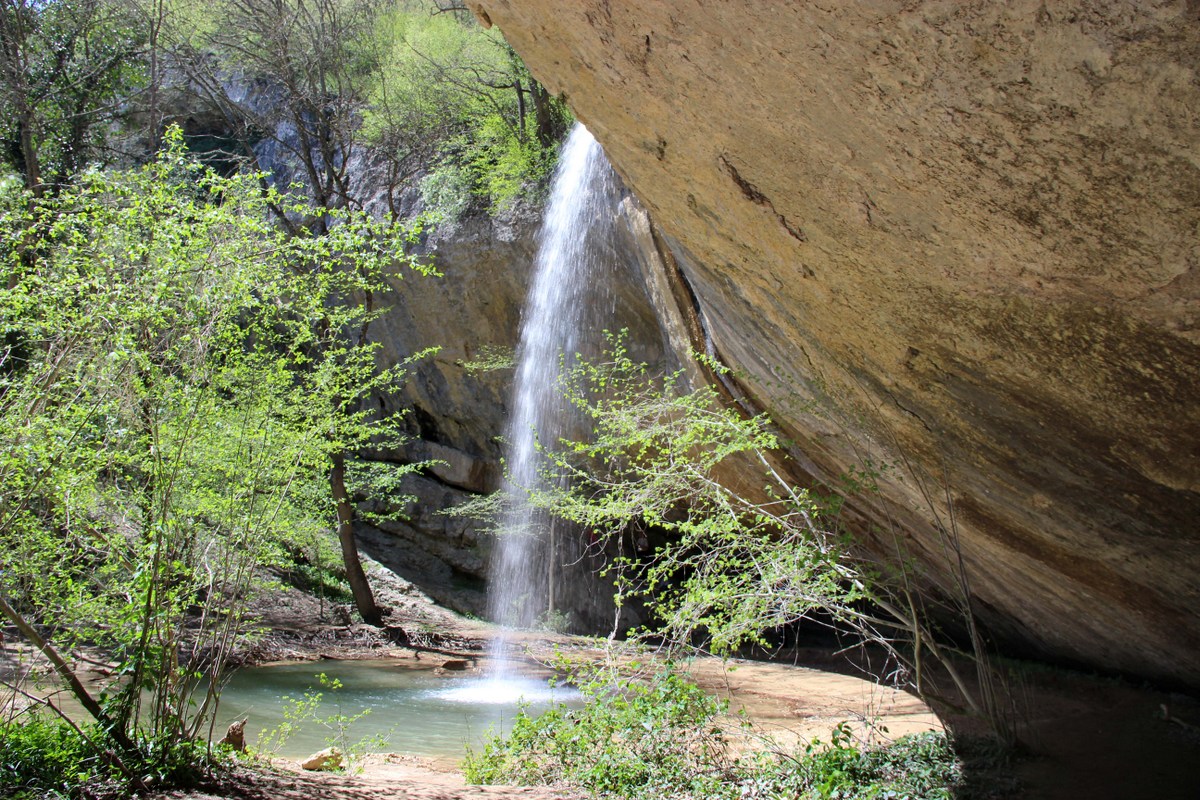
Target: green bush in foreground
x,y
46,757
666,738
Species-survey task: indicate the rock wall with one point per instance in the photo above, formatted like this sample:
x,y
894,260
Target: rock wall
x,y
957,239
456,414
453,414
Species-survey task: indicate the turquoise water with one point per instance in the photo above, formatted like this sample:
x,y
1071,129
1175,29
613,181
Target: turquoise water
x,y
419,712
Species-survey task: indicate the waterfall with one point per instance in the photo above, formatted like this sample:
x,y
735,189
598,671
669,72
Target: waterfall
x,y
570,300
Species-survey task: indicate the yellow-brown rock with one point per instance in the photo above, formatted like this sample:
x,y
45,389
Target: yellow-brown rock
x,y
971,232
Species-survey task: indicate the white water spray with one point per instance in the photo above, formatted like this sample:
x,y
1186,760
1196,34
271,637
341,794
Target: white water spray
x,y
568,297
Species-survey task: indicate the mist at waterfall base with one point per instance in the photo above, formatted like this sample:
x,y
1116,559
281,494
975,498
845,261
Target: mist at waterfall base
x,y
414,710
543,570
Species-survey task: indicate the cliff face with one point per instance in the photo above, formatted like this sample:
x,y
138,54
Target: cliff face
x,y
456,413
969,232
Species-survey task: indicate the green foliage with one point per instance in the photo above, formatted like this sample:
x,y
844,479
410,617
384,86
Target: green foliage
x,y
664,737
322,580
67,69
507,164
45,757
434,97
309,710
455,96
448,189
490,358
736,563
630,740
554,620
176,375
920,766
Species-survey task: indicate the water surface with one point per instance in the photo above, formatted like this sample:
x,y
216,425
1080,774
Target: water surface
x,y
420,712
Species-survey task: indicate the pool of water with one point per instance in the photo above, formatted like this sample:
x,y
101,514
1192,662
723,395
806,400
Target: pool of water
x,y
419,712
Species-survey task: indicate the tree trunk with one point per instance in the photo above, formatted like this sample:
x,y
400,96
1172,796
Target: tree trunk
x,y
76,687
543,114
364,599
33,170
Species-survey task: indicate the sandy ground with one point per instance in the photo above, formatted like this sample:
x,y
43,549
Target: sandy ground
x,y
385,778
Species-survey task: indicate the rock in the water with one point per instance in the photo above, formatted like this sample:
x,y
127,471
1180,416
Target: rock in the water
x,y
330,758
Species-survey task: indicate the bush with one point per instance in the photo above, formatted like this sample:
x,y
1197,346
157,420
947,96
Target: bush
x,y
917,767
43,757
667,738
638,739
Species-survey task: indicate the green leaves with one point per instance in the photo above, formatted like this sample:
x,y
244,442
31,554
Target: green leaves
x,y
734,561
631,739
175,376
455,97
662,736
65,70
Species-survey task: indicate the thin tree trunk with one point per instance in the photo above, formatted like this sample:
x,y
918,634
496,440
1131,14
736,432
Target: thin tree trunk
x,y
69,677
33,170
543,114
364,599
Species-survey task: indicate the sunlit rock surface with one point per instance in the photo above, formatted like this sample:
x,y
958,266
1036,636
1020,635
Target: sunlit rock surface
x,y
969,232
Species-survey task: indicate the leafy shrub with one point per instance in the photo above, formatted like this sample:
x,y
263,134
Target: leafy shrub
x,y
447,191
42,757
922,766
554,621
185,384
667,738
629,740
45,757
507,166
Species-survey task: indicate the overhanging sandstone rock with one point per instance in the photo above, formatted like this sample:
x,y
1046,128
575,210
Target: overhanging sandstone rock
x,y
969,231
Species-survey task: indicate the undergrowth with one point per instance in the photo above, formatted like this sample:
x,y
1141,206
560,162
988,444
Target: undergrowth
x,y
46,757
666,738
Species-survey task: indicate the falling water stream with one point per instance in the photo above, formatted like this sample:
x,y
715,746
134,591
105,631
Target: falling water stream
x,y
569,299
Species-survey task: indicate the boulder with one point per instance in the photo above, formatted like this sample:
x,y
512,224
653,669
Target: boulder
x,y
327,760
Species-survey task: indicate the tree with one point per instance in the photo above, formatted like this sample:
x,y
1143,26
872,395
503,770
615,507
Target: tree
x,y
66,67
744,556
169,417
308,62
459,98
314,57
